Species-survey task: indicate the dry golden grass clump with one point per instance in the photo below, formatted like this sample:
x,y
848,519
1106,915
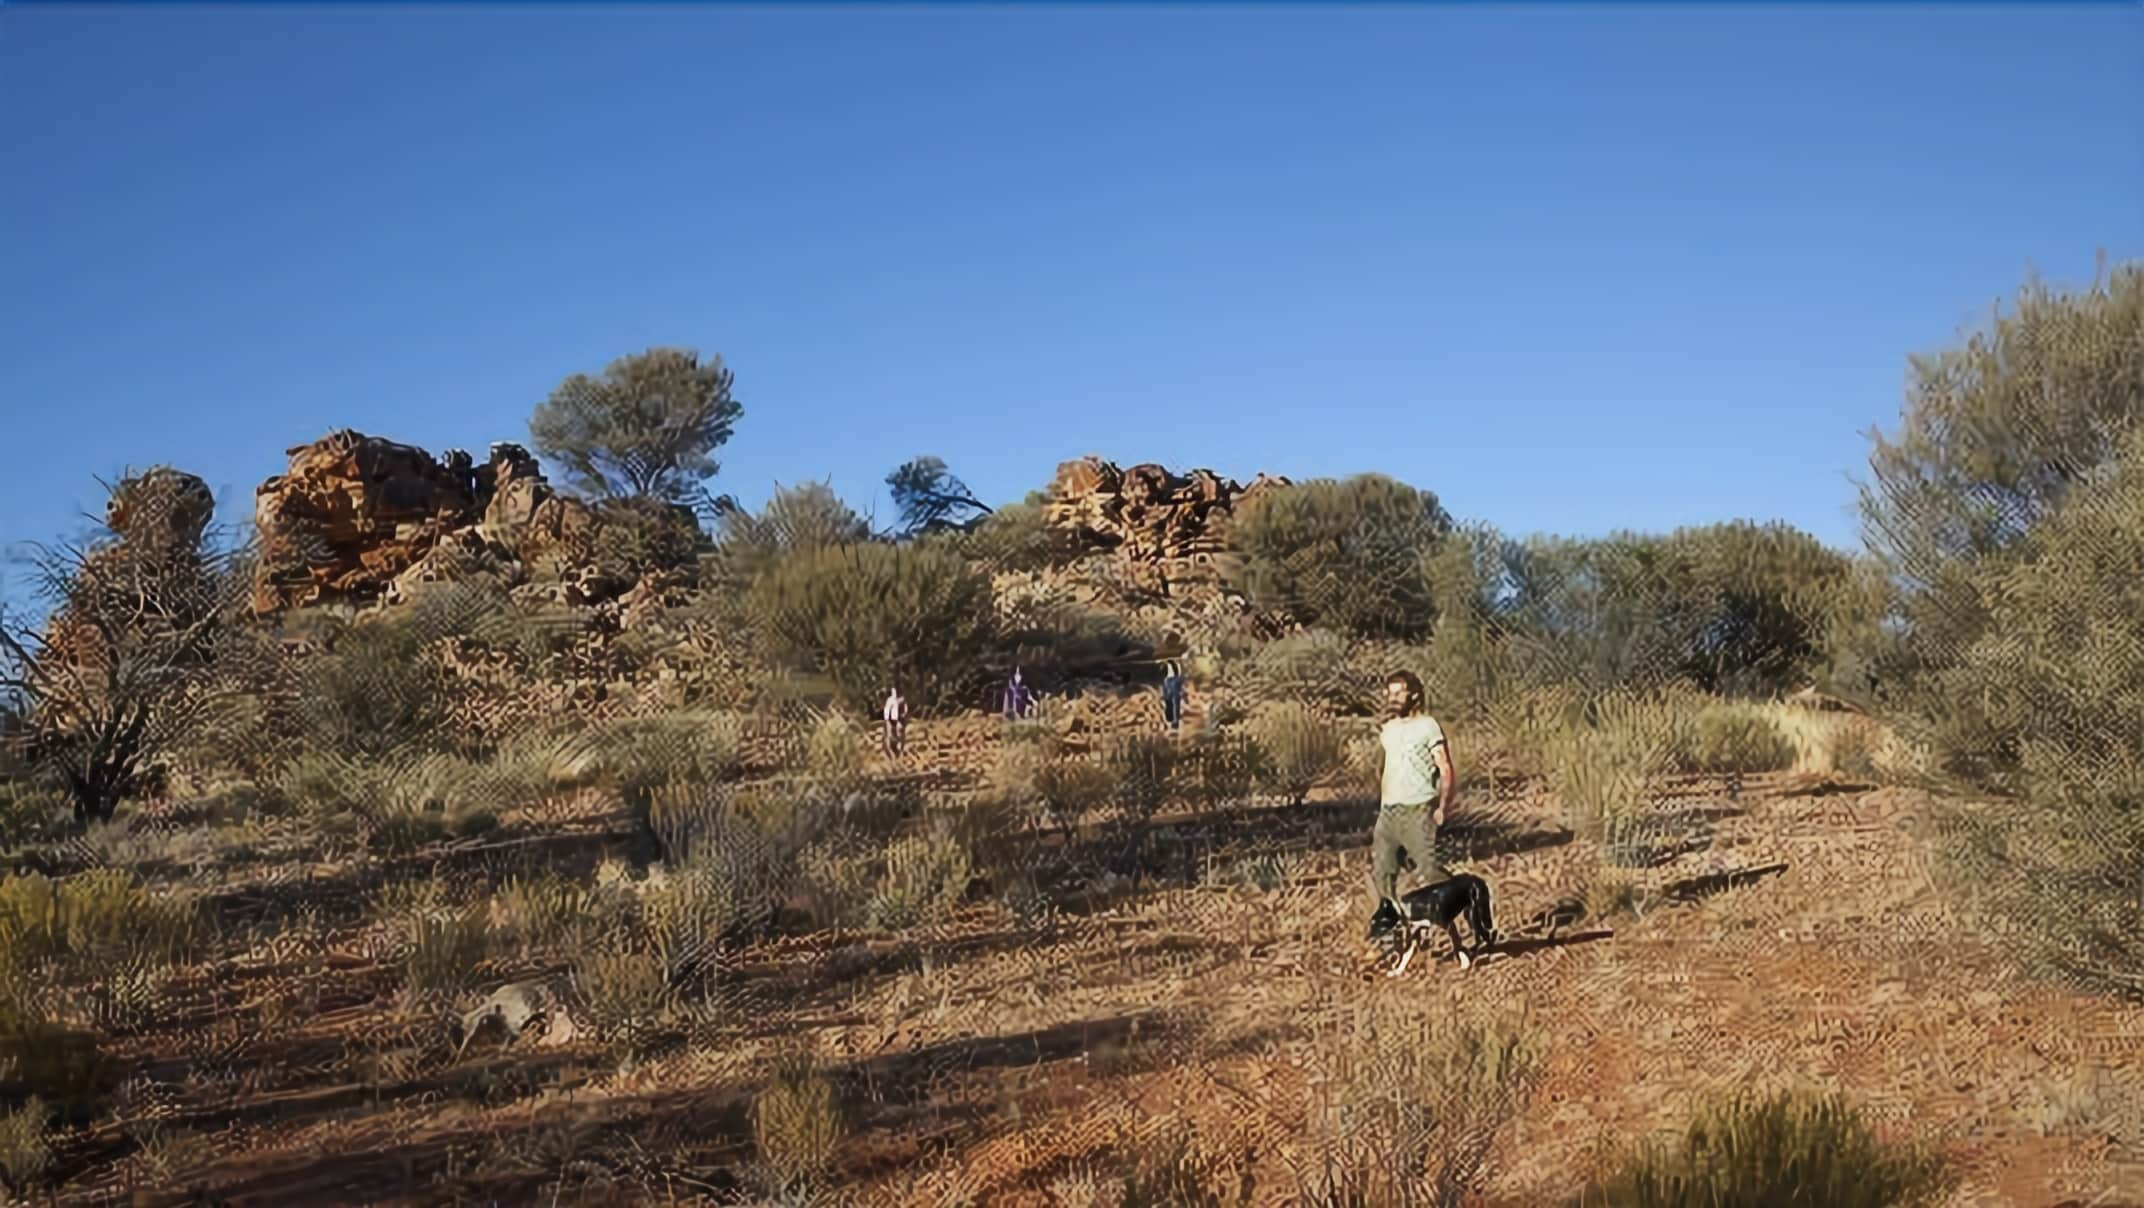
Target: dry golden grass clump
x,y
1782,1148
1297,748
1417,1097
797,1125
1733,738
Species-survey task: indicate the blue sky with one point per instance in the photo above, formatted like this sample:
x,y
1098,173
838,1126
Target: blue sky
x,y
1574,269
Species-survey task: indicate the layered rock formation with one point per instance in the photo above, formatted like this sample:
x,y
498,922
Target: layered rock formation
x,y
1147,513
356,518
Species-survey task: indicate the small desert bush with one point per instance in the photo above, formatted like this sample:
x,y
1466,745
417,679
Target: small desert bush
x,y
1659,723
1785,1148
872,615
796,520
1421,1097
688,912
836,753
1526,727
796,1124
1298,747
1220,768
545,911
25,1153
62,1065
92,923
837,877
401,802
1844,744
1737,738
1016,537
625,992
1067,786
926,876
635,755
1607,770
28,811
747,841
381,690
445,949
1142,774
1171,1169
2057,891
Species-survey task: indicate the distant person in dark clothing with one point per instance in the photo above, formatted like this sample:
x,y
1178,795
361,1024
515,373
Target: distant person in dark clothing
x,y
1172,698
1016,695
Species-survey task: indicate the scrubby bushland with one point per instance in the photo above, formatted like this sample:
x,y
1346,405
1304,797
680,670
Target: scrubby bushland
x,y
870,616
1345,554
2009,513
1739,608
1016,537
796,520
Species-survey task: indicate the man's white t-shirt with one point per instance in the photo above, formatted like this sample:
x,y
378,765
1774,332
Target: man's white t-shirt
x,y
1411,776
896,708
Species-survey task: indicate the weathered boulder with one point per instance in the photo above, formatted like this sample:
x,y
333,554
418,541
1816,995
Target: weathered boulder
x,y
350,514
356,518
160,508
1146,513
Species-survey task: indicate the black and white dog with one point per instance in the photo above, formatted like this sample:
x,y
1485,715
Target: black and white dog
x,y
1439,905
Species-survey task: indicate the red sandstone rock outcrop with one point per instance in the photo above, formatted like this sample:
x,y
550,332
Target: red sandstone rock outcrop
x,y
355,517
1146,512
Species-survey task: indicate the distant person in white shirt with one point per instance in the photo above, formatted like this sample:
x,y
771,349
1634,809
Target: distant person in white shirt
x,y
896,714
1416,791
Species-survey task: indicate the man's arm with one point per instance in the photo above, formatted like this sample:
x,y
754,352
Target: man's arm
x,y
1447,783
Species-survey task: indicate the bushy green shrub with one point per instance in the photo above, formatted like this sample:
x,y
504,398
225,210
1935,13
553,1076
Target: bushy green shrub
x,y
1346,554
1314,667
381,690
92,921
874,616
795,520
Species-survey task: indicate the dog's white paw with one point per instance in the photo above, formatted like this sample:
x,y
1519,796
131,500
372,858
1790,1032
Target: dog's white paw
x,y
1465,961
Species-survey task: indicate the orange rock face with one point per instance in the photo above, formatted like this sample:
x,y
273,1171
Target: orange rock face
x,y
355,514
1146,512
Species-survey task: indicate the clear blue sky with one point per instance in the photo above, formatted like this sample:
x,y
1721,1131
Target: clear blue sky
x,y
1573,269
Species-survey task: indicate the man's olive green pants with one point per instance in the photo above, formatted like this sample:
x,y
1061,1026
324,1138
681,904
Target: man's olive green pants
x,y
1405,833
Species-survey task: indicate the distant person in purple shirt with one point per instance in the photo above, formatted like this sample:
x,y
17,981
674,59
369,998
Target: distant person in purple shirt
x,y
1016,695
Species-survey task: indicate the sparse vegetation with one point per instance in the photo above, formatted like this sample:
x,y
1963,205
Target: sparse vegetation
x,y
641,770
1297,747
1776,1149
